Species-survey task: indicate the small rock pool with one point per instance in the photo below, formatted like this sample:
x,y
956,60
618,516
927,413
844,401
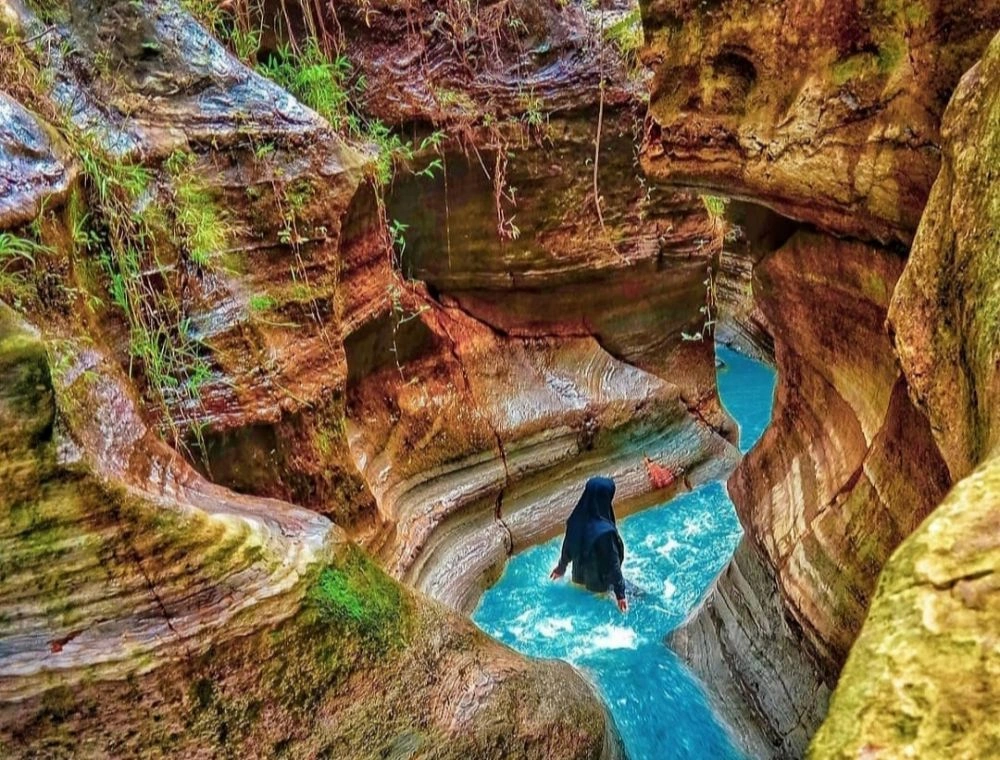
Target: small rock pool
x,y
672,553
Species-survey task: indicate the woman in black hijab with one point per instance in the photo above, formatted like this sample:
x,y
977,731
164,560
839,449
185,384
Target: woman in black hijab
x,y
592,542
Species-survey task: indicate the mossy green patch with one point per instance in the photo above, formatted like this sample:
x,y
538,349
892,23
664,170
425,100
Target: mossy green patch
x,y
358,596
853,67
891,52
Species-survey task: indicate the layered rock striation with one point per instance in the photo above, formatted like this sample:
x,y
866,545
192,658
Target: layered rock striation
x,y
148,614
922,679
487,439
173,614
853,462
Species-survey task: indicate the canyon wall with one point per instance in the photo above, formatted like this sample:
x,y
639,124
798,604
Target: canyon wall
x,y
180,231
922,677
514,286
826,111
831,119
148,612
263,363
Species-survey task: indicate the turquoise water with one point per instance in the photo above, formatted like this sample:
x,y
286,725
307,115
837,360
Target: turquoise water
x,y
672,554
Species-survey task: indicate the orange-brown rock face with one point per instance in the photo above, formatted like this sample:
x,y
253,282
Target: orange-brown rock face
x,y
445,62
148,612
826,111
636,285
507,230
240,342
829,115
923,678
847,469
834,483
172,615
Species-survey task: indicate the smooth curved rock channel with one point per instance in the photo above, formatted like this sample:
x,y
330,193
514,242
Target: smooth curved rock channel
x,y
673,553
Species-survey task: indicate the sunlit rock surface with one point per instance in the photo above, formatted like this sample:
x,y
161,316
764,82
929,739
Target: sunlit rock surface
x,y
922,679
848,468
828,111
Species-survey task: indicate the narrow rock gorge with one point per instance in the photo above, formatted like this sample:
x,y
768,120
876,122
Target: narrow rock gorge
x,y
313,315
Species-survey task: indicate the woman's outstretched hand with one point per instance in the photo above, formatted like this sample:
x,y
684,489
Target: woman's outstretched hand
x,y
556,574
623,605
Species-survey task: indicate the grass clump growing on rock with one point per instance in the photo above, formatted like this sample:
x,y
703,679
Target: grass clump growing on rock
x,y
131,237
319,81
715,205
202,231
626,35
17,258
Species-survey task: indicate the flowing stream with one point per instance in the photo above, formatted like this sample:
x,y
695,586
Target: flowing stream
x,y
673,552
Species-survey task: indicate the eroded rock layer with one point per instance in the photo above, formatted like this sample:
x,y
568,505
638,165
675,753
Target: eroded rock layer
x,y
488,437
169,614
760,670
922,679
834,485
830,116
827,111
847,469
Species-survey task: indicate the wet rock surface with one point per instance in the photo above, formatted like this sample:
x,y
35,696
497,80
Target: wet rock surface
x,y
31,169
754,660
441,397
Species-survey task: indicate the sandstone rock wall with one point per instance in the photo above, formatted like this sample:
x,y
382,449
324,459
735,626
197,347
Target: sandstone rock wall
x,y
922,678
477,446
755,660
827,111
830,116
148,610
846,470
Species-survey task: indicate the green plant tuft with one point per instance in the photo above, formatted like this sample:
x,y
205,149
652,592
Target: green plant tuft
x,y
715,205
200,230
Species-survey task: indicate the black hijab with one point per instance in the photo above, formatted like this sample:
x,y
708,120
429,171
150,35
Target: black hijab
x,y
592,517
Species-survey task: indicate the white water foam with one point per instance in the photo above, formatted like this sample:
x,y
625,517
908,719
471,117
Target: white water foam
x,y
611,636
669,547
554,627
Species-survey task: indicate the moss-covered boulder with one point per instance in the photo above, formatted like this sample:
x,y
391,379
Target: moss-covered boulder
x,y
923,678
